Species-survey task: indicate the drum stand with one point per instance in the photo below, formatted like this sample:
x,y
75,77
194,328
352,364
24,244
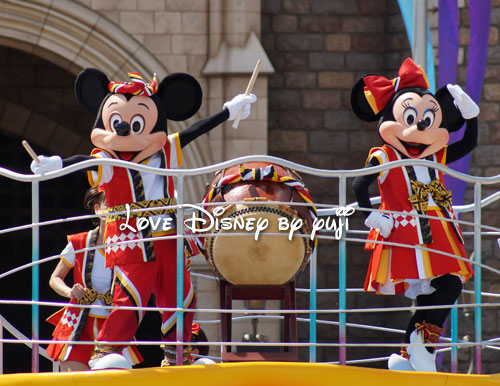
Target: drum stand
x,y
284,292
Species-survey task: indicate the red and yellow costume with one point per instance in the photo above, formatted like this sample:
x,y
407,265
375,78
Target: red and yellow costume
x,y
409,270
142,268
83,324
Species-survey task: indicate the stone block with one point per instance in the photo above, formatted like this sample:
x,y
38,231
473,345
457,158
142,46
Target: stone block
x,y
493,37
321,99
490,112
364,61
326,61
287,140
183,5
296,6
319,23
39,129
363,24
395,24
488,156
343,7
300,79
335,79
189,44
137,22
369,43
150,5
194,23
300,119
14,118
373,7
158,44
340,119
168,22
284,23
173,63
328,141
120,5
299,42
338,42
69,138
271,7
284,99
290,61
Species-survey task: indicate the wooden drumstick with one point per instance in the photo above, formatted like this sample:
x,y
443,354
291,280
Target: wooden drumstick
x,y
253,78
30,151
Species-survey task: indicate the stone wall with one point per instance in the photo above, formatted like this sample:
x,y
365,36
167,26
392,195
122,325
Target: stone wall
x,y
319,48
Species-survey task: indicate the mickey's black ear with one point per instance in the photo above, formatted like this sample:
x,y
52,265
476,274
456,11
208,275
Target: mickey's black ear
x,y
181,94
360,105
452,116
91,87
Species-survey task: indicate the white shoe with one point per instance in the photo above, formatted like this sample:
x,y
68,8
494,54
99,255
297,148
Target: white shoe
x,y
110,361
398,363
420,358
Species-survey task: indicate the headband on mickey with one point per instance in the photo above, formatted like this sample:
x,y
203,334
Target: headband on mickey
x,y
136,86
379,90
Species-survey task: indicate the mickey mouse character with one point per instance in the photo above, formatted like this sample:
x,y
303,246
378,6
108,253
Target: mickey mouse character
x,y
131,125
415,206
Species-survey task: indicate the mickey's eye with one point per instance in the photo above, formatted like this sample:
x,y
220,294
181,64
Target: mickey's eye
x,y
410,116
114,120
137,124
429,116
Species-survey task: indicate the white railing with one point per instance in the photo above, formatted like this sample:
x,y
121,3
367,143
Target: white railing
x,y
350,236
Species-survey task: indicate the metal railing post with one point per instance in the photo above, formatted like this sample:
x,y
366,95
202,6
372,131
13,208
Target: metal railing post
x,y
342,279
180,270
313,286
35,295
477,275
454,339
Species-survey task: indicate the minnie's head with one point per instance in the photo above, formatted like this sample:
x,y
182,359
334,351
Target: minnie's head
x,y
411,118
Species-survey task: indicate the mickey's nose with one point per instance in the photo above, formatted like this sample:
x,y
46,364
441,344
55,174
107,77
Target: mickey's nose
x,y
421,125
122,128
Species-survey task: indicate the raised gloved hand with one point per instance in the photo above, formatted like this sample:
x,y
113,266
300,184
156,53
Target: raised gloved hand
x,y
468,108
240,102
47,164
381,221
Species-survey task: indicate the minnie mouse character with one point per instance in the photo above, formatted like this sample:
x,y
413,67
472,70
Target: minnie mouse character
x,y
415,206
131,125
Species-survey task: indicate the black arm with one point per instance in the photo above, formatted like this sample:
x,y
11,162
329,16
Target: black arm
x,y
469,141
74,159
202,126
360,187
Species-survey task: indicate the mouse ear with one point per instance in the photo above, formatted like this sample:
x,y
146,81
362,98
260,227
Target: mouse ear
x,y
360,105
91,87
181,94
452,116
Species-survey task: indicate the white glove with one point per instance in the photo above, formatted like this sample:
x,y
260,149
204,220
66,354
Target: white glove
x,y
464,102
47,164
240,102
381,221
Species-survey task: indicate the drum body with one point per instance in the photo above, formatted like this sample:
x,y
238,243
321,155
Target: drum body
x,y
261,256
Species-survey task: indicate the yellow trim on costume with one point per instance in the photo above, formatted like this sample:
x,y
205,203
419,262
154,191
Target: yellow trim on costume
x,y
133,292
163,233
464,272
99,174
425,77
383,267
178,150
445,153
371,101
379,161
66,262
426,260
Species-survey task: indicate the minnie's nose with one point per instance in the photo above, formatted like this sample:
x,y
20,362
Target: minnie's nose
x,y
421,125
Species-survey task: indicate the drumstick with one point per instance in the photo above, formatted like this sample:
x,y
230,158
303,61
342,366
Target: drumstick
x,y
253,78
30,151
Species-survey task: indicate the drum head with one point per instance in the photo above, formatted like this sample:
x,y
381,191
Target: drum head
x,y
270,260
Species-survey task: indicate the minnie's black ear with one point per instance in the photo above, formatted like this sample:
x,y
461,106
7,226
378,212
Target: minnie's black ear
x,y
181,94
91,87
360,105
452,117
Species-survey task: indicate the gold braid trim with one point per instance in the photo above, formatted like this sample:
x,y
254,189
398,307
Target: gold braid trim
x,y
430,332
420,197
147,204
92,295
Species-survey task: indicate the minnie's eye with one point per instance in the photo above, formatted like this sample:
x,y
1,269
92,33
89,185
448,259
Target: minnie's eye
x,y
410,116
114,120
137,124
429,116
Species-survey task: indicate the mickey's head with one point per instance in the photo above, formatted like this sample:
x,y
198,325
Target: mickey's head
x,y
131,117
411,118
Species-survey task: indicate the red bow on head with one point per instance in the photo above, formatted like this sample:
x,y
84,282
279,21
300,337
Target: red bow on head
x,y
379,90
137,86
